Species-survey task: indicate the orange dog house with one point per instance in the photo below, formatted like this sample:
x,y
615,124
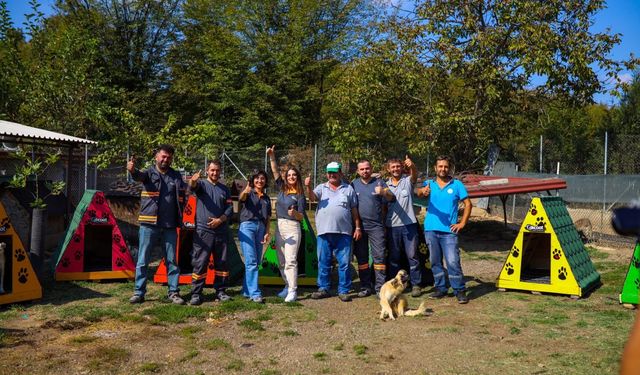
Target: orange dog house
x,y
18,280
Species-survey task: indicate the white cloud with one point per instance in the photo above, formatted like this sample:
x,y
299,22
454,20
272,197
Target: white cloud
x,y
625,77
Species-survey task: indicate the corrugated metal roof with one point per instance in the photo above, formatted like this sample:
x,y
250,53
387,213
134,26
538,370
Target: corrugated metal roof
x,y
12,129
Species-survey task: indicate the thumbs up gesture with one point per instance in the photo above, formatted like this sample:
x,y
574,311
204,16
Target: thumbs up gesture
x,y
131,164
379,190
407,162
196,176
247,189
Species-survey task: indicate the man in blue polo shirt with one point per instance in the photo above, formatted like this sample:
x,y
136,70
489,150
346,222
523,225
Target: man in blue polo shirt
x,y
337,210
441,228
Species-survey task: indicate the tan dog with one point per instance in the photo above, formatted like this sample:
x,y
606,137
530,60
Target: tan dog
x,y
393,303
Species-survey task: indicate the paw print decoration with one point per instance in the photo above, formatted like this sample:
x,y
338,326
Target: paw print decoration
x,y
23,275
515,251
533,209
557,254
562,273
509,268
20,255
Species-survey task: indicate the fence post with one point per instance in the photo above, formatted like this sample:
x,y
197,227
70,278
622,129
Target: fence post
x,y
315,165
604,180
86,165
266,161
540,153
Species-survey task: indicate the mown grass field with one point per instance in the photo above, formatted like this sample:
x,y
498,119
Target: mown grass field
x,y
87,327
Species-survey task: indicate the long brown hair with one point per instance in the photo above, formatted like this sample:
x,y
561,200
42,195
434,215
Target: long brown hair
x,y
298,186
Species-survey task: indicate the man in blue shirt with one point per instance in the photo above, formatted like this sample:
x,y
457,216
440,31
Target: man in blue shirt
x,y
441,228
336,213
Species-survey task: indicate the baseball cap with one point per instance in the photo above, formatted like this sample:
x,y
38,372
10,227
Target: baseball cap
x,y
334,167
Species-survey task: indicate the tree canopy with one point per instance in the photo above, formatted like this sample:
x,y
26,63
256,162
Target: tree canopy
x,y
371,80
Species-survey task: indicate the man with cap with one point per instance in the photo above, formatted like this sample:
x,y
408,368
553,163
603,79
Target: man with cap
x,y
372,194
336,212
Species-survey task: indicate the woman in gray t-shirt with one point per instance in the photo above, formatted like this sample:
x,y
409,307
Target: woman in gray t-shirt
x,y
253,232
289,211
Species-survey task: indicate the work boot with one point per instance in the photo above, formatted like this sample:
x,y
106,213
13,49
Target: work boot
x,y
462,297
416,292
438,294
136,299
222,296
175,298
321,293
196,300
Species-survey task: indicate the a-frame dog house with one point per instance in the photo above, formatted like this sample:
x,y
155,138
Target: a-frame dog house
x,y
93,247
269,272
548,254
18,281
183,253
629,293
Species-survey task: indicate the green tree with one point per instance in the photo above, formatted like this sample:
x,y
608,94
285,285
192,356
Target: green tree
x,y
493,64
256,71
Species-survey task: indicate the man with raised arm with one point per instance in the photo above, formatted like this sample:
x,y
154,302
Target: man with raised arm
x,y
401,221
372,194
160,214
213,210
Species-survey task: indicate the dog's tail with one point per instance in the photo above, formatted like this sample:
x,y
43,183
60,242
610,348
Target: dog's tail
x,y
420,311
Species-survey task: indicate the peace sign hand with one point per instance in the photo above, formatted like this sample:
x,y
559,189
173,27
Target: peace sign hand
x,y
271,151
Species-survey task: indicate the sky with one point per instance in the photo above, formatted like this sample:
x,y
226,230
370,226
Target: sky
x,y
620,16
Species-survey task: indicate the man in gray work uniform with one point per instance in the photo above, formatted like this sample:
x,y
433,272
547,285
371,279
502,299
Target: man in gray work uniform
x,y
372,194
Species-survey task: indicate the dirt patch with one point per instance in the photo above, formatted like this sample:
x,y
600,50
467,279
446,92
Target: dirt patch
x,y
511,332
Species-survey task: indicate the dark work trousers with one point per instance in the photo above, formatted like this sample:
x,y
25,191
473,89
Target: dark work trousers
x,y
372,235
204,242
404,238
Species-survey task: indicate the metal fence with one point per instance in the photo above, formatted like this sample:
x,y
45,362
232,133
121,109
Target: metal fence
x,y
596,183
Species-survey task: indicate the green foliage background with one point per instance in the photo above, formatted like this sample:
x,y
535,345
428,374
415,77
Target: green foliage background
x,y
366,78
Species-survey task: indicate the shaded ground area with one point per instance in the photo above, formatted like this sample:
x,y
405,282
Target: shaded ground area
x,y
83,327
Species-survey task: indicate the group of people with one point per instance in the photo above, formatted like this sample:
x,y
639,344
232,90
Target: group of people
x,y
376,216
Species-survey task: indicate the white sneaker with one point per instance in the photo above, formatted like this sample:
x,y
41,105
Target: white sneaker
x,y
284,292
291,297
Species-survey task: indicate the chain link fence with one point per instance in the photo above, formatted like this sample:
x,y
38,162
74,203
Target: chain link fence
x,y
602,174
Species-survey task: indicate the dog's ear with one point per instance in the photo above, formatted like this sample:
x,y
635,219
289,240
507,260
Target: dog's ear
x,y
394,282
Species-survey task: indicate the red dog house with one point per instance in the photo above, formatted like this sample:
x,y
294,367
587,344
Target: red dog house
x,y
93,247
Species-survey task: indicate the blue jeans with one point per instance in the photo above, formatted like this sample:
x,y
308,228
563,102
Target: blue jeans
x,y
404,237
340,244
443,243
149,236
251,234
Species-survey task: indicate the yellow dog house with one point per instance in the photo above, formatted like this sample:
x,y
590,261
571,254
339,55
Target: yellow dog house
x,y
548,254
18,281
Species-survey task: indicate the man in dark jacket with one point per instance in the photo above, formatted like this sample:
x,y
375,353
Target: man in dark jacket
x,y
213,210
160,214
